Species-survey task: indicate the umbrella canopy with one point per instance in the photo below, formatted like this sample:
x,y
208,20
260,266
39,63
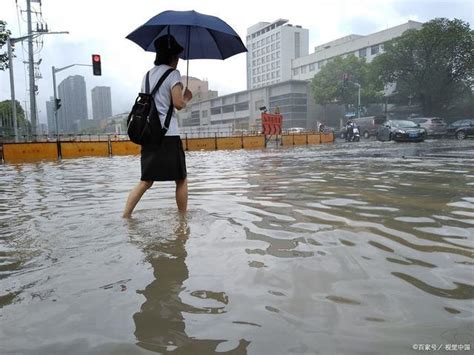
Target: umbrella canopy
x,y
201,36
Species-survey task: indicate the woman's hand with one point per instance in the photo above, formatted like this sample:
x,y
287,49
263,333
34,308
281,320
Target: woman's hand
x,y
188,95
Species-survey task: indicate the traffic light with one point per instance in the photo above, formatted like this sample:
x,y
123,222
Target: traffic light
x,y
96,66
57,104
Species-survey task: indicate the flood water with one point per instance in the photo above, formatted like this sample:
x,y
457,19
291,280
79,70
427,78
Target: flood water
x,y
362,248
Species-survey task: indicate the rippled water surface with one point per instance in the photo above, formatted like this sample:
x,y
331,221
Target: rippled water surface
x,y
336,249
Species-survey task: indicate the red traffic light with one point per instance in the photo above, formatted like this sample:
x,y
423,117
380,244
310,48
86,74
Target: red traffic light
x,y
96,64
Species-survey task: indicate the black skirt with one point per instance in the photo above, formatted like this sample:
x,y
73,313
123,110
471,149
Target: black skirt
x,y
164,162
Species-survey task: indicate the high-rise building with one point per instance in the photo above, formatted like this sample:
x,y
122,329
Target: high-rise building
x,y
50,116
101,102
271,49
73,96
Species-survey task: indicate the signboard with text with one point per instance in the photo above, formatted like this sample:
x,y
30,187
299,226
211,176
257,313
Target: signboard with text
x,y
271,123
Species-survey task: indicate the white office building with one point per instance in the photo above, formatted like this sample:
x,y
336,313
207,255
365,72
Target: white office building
x,y
369,46
271,49
284,81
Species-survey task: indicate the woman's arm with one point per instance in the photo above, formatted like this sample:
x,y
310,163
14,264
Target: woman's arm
x,y
180,99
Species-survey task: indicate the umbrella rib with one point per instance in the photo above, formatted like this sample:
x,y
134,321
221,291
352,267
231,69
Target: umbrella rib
x,y
217,45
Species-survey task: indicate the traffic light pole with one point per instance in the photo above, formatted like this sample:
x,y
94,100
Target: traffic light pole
x,y
56,106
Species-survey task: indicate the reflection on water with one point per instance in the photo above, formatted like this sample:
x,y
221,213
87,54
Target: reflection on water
x,y
160,324
330,249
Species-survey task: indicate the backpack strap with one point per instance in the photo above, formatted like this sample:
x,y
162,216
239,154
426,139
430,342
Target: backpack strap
x,y
158,84
155,89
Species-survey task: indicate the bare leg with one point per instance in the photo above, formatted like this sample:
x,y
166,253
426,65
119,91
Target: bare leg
x,y
135,196
182,195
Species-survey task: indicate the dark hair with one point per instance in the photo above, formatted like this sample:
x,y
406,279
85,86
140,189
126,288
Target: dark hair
x,y
167,49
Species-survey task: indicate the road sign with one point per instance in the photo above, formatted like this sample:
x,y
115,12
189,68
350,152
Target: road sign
x,y
271,123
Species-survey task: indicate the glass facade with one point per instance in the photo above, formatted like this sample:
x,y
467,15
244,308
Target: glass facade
x,y
293,107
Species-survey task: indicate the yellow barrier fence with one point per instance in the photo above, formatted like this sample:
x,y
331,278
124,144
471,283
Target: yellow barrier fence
x,y
18,152
125,148
84,149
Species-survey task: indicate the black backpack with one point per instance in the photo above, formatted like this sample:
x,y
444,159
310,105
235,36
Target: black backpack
x,y
143,122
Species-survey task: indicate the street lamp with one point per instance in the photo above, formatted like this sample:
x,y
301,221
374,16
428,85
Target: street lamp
x,y
358,100
10,42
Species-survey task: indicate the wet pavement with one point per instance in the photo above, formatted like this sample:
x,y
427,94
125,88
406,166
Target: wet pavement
x,y
346,248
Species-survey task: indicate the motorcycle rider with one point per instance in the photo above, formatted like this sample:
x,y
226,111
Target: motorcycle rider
x,y
351,130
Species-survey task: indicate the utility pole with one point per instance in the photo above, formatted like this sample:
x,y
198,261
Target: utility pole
x,y
31,70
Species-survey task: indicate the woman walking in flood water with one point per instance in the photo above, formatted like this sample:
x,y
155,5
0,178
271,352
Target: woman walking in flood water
x,y
166,161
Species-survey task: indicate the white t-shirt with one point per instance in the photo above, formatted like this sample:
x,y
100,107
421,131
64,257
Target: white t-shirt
x,y
163,96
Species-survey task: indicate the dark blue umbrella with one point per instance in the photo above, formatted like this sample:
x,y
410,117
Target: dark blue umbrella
x,y
201,36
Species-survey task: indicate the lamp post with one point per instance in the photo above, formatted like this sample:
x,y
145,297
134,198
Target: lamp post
x,y
10,42
12,88
358,100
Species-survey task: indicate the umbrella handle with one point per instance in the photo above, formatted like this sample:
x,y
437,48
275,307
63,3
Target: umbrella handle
x,y
187,74
188,42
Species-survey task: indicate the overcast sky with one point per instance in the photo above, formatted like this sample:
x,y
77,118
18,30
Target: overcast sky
x,y
100,26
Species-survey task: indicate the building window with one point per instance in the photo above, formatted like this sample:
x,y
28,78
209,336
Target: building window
x,y
278,54
215,111
267,40
273,46
273,65
227,108
381,47
278,45
273,37
303,69
374,49
278,64
204,113
320,64
278,35
268,58
296,71
363,53
297,44
268,76
311,67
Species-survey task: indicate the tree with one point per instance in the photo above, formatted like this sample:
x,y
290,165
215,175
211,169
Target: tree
x,y
4,34
6,119
328,85
434,65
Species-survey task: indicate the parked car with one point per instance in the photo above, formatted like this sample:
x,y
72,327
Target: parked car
x,y
401,130
295,130
434,126
368,125
464,127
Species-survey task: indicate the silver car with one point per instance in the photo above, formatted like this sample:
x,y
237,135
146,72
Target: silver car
x,y
434,126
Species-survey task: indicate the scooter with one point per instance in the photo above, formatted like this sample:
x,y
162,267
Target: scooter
x,y
355,136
